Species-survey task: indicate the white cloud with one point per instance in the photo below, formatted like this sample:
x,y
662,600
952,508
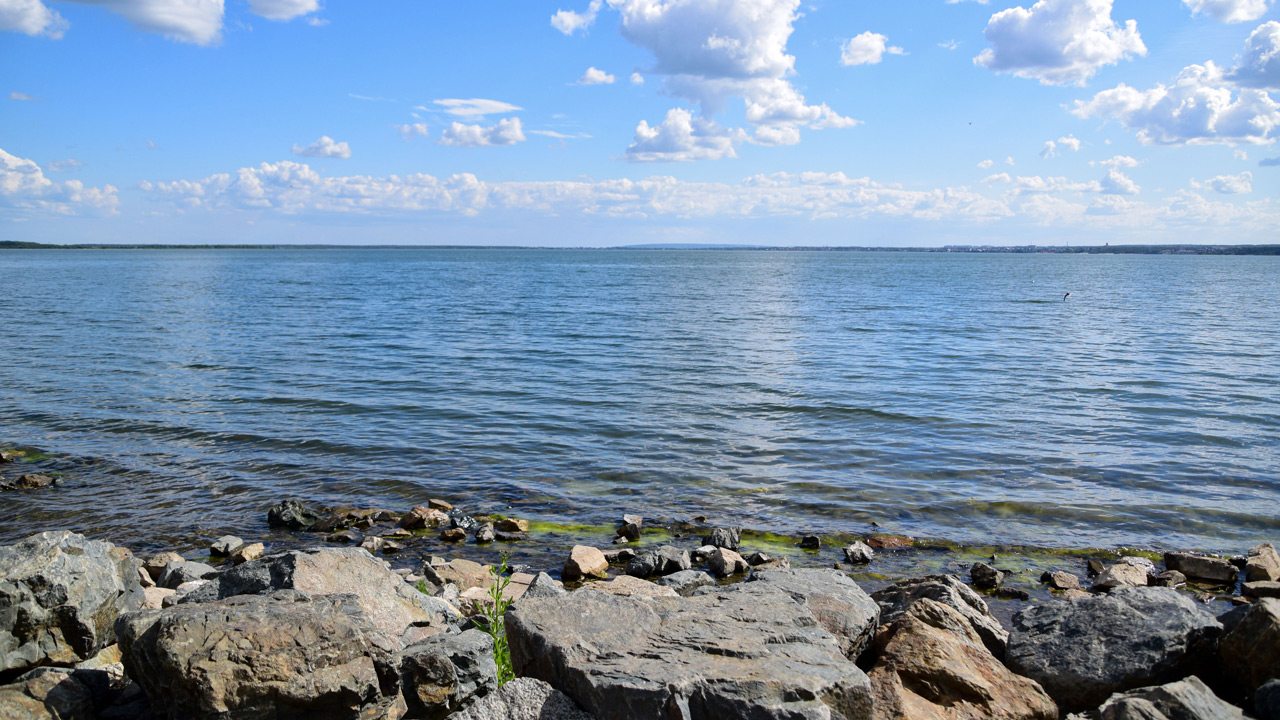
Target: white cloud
x,y
1198,109
595,76
1241,184
23,187
192,21
949,45
776,135
1260,66
283,9
568,21
31,17
475,107
637,78
21,97
1050,149
997,178
507,132
560,135
325,147
1008,160
986,163
408,131
1117,161
866,49
682,138
63,165
1058,42
1117,183
1240,154
1228,11
1070,141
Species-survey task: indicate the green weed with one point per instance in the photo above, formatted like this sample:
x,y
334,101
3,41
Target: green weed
x,y
491,620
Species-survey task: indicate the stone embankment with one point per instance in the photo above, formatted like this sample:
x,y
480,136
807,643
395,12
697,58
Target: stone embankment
x,y
88,631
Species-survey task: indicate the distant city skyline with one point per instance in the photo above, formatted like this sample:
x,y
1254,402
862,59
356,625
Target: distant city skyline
x,y
613,122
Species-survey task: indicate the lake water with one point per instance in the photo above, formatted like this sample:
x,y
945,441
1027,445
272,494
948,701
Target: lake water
x,y
952,396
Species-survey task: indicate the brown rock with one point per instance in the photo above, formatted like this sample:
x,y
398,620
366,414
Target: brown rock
x,y
465,574
155,564
724,562
633,587
1202,567
422,517
1168,578
1251,651
437,504
1121,575
584,562
504,536
453,535
155,597
252,551
1059,580
512,525
1263,563
889,542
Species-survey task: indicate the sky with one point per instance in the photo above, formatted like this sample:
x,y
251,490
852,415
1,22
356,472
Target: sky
x,y
613,122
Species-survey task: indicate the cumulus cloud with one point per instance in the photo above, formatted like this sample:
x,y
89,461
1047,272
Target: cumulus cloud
x,y
1241,184
325,147
867,49
595,76
506,132
1228,11
568,21
986,163
282,10
1117,161
1117,183
1050,149
1260,65
408,131
637,78
681,137
24,187
1058,42
475,107
191,21
1198,109
31,17
997,178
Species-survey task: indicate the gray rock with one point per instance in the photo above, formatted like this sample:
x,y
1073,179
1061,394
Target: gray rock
x,y
629,530
1120,575
663,561
285,655
1084,649
30,481
1138,562
948,590
833,599
810,542
985,577
185,571
1251,650
446,673
1188,699
524,699
859,553
1266,701
700,554
686,582
155,564
725,537
724,562
1263,564
46,694
485,533
1201,567
543,585
617,556
293,515
1059,580
1168,578
746,651
1262,589
225,545
59,597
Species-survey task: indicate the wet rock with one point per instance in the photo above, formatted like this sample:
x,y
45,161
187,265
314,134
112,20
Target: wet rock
x,y
341,537
755,558
280,655
686,582
155,564
543,585
30,481
60,594
423,517
437,504
46,694
1120,575
485,534
948,590
6,457
1083,650
466,574
724,563
985,577
932,664
293,515
177,573
748,651
252,551
462,521
701,553
617,556
524,699
633,587
726,537
1266,701
453,535
1202,567
503,536
833,599
446,673
629,531
1251,650
1138,562
1168,578
1059,580
662,561
810,542
1262,589
774,564
1095,567
225,545
1263,563
512,525
372,544
1008,593
584,562
889,542
859,553
1188,699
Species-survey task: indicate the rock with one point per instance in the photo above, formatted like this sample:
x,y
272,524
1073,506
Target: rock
x,y
177,573
466,574
1263,563
1008,593
154,597
60,594
725,537
252,551
423,517
754,559
1188,699
155,564
46,694
932,664
985,577
1168,578
453,535
1262,589
1251,650
686,582
372,544
225,545
889,542
341,537
859,553
543,585
617,556
1266,701
446,673
503,536
833,599
279,655
512,525
748,651
663,561
1201,567
1083,650
810,542
1138,562
1095,567
633,587
6,457
485,534
948,590
1059,580
462,521
701,553
391,547
393,607
144,578
293,515
584,562
30,481
1120,575
629,531
725,562
524,699
774,564
437,504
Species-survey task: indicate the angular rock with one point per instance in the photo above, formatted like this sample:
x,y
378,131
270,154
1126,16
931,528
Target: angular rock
x,y
225,545
629,531
293,515
1120,575
177,573
462,521
859,553
512,525
437,504
155,564
485,534
1083,650
743,652
372,544
1262,589
46,694
985,577
1168,578
1188,699
454,535
252,551
932,664
1266,701
702,552
948,590
584,562
725,537
686,582
663,561
423,517
1251,650
281,655
30,481
617,556
1059,580
1201,567
154,597
6,457
833,599
889,542
1138,562
633,587
1263,564
524,699
810,542
466,574
446,673
503,536
774,564
725,562
543,585
59,597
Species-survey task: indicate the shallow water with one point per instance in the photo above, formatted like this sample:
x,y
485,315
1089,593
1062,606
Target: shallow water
x,y
954,396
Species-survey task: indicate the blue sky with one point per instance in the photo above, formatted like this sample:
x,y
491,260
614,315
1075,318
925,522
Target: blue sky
x,y
610,122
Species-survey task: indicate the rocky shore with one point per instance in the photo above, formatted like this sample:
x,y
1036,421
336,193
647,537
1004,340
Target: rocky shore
x,y
650,623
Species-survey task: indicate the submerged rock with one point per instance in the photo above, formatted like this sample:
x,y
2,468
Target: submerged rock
x,y
293,515
30,481
833,599
948,590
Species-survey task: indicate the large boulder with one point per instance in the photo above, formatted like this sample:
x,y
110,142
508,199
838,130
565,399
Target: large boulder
x,y
931,663
448,672
284,655
1263,564
834,600
1084,649
948,590
1202,567
748,651
1251,650
393,606
59,597
182,572
1188,699
524,699
46,694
